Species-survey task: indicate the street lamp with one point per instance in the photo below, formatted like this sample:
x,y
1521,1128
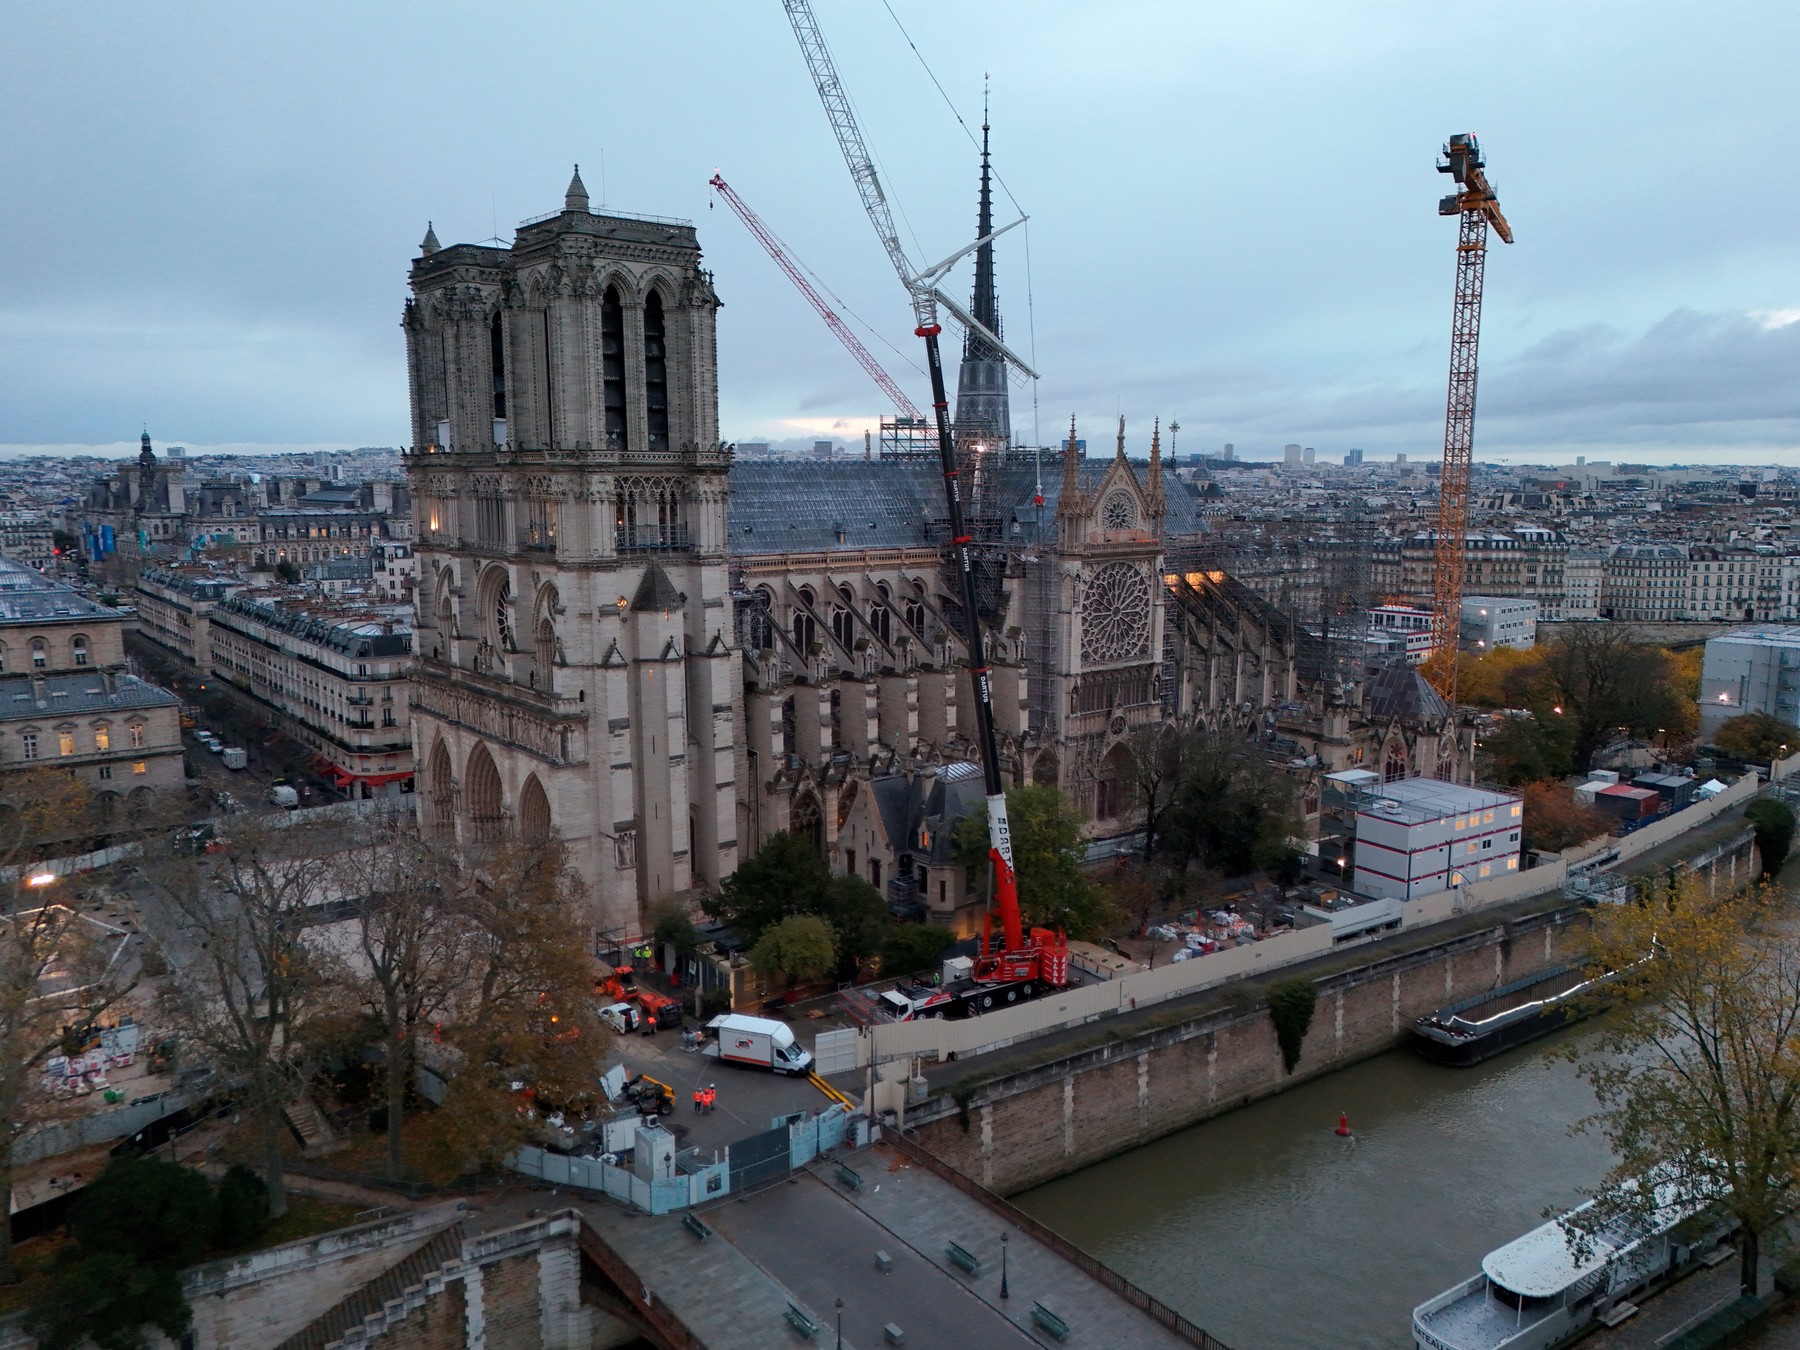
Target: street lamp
x,y
840,1324
1004,1291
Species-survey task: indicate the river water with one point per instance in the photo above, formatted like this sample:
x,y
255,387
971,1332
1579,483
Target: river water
x,y
1272,1233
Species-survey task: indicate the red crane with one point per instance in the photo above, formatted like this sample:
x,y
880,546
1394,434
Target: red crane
x,y
1478,207
764,236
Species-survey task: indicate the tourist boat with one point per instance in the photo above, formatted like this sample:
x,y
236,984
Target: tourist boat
x,y
1482,1025
1549,1287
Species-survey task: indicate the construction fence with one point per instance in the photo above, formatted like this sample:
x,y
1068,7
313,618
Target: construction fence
x,y
753,1161
937,1039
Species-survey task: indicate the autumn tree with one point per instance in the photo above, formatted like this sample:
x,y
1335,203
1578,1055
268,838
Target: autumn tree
x,y
59,972
1698,1082
1554,820
252,989
1604,682
1756,737
1505,677
524,1011
1048,849
1529,748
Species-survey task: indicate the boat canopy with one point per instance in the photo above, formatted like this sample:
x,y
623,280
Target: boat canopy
x,y
1544,1262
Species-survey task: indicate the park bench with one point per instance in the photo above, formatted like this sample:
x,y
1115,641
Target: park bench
x,y
1050,1322
800,1322
966,1259
693,1224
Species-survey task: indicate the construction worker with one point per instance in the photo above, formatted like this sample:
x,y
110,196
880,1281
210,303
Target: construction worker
x,y
712,1095
699,1100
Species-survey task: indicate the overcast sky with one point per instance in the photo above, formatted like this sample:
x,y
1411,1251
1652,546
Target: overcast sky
x,y
209,209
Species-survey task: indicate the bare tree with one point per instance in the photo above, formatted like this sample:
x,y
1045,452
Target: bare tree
x,y
250,987
413,945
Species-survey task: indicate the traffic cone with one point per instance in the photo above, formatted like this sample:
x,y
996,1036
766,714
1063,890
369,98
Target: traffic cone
x,y
1343,1125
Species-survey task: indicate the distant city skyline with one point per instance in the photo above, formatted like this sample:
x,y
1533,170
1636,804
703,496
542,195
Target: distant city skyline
x,y
1233,214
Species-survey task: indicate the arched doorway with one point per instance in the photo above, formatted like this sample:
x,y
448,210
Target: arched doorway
x,y
534,812
440,794
481,783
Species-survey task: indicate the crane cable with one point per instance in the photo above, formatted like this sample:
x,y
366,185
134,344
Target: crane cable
x,y
1030,301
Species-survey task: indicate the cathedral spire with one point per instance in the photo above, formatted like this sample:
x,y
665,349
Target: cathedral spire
x,y
429,244
982,411
1069,503
1153,490
576,198
1120,454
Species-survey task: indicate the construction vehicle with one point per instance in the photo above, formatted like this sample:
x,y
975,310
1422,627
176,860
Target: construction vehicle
x,y
758,1042
618,984
1043,958
1478,207
651,1096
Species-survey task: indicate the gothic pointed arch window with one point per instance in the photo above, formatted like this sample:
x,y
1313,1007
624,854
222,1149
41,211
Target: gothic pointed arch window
x,y
759,625
806,631
656,372
612,367
843,618
1395,768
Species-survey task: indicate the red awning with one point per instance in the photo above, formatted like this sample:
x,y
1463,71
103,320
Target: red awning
x,y
379,779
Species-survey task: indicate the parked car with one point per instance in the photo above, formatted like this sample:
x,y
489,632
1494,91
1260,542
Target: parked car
x,y
284,796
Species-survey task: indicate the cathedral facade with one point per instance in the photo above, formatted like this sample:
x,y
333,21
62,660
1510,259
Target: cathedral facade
x,y
576,671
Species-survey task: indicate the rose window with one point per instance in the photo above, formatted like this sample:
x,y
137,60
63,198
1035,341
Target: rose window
x,y
1117,512
1115,624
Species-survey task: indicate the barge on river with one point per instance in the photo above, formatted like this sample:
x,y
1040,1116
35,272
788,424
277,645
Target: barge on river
x,y
1558,1281
1482,1025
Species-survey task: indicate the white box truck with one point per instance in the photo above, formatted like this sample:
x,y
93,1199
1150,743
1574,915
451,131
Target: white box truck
x,y
759,1042
234,758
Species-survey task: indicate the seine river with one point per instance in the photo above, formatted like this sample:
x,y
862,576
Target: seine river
x,y
1274,1234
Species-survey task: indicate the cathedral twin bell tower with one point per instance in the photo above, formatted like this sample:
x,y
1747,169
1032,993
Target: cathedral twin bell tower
x,y
575,674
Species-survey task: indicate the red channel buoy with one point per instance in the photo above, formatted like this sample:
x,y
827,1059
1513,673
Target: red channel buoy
x,y
1343,1125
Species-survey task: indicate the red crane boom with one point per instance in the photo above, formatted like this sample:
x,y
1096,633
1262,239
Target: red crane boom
x,y
1478,208
864,358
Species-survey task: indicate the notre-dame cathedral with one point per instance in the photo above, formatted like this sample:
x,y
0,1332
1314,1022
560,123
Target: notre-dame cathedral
x,y
665,657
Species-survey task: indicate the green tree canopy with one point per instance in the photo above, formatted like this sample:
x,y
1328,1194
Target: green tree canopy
x,y
799,947
1232,810
106,1300
1756,737
787,878
910,947
1047,853
1774,825
152,1211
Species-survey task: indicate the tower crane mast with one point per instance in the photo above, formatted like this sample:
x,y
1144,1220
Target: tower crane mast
x,y
785,261
1478,208
1044,956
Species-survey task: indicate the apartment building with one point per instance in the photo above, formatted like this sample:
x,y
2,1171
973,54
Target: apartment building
x,y
333,674
175,605
27,537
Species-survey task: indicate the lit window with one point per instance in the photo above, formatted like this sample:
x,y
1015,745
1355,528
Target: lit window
x,y
138,766
102,738
65,742
1512,864
1486,868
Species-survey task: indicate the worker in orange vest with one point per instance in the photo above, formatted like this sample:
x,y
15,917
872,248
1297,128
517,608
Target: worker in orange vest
x,y
711,1096
699,1100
